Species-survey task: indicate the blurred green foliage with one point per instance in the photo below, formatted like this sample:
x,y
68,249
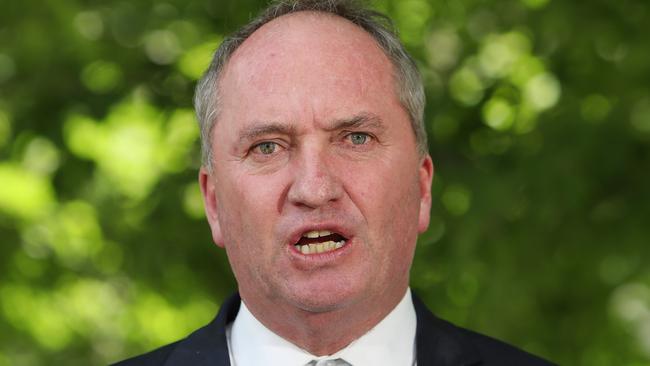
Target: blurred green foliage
x,y
539,122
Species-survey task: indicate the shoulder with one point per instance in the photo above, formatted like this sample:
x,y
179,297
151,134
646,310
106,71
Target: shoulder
x,y
440,342
154,358
206,346
496,352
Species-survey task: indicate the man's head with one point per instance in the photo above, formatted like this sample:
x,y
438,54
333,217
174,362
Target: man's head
x,y
312,139
408,83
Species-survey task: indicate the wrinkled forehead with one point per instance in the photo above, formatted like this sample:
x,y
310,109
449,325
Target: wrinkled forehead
x,y
305,43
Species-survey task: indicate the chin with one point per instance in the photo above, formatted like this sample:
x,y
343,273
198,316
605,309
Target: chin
x,y
326,297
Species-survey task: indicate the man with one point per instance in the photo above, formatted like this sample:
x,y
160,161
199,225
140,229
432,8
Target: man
x,y
316,181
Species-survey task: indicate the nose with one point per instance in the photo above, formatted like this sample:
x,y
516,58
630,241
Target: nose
x,y
315,180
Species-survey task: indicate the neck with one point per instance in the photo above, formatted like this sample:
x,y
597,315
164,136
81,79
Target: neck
x,y
324,332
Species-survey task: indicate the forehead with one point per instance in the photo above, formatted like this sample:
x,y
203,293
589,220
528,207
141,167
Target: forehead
x,y
314,34
308,54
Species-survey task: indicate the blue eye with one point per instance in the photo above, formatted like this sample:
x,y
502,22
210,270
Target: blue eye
x,y
358,138
266,148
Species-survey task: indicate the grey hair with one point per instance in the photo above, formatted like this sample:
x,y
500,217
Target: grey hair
x,y
409,83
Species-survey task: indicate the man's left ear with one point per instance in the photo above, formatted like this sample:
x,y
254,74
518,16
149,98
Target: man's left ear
x,y
426,177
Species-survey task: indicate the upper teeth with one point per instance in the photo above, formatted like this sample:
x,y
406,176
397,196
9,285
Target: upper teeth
x,y
316,234
314,248
320,247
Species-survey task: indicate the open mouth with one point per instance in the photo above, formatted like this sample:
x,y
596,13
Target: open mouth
x,y
319,241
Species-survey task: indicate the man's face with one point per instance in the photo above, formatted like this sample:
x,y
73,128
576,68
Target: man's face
x,y
311,139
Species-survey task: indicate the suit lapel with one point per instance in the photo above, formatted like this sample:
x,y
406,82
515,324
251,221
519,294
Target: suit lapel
x,y
208,345
439,343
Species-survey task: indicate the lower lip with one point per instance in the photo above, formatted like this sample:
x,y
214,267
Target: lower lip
x,y
319,258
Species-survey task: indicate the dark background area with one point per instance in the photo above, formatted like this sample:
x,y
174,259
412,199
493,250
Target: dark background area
x,y
539,123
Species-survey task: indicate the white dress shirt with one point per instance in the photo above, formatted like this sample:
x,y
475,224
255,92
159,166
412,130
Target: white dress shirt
x,y
390,342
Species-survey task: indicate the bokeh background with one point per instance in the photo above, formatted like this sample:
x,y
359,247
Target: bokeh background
x,y
539,122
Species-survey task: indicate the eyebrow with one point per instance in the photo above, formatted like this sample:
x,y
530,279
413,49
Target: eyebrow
x,y
365,120
265,128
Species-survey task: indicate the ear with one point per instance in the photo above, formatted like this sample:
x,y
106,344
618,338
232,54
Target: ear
x,y
425,179
207,184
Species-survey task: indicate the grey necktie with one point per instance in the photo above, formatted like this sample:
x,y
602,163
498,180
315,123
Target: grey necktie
x,y
336,362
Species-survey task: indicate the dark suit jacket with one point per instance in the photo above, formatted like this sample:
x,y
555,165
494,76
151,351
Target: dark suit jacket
x,y
439,343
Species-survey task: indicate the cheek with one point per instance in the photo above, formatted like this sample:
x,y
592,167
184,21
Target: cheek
x,y
253,196
387,191
247,217
248,210
389,201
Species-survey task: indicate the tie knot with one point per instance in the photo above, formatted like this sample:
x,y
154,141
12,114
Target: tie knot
x,y
335,362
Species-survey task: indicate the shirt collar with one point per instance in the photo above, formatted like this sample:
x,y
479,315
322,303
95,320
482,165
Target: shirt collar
x,y
390,342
